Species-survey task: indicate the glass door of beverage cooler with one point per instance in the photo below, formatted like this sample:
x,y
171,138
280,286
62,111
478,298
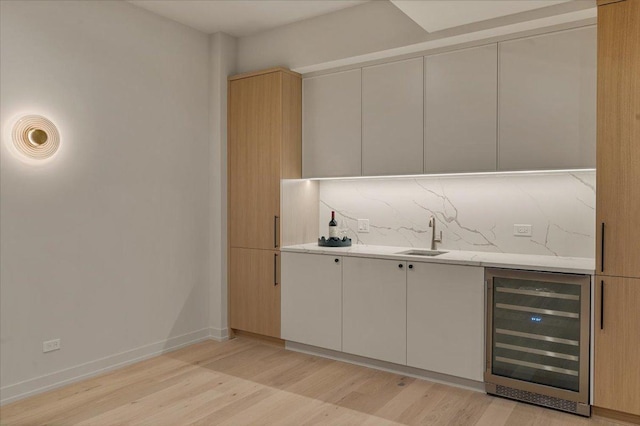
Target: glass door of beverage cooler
x,y
538,332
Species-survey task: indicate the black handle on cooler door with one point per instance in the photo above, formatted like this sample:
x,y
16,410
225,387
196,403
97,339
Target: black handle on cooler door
x,y
602,248
276,239
275,269
601,304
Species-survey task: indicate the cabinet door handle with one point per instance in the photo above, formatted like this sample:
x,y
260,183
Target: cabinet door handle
x,y
275,269
410,266
601,304
400,266
337,260
276,239
602,248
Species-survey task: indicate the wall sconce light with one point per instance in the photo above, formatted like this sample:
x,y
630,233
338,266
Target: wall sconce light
x,y
36,137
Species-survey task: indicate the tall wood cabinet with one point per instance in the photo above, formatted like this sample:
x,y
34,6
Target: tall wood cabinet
x,y
617,331
618,148
617,357
264,146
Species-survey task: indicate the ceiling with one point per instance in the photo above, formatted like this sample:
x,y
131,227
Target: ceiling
x,y
241,17
436,15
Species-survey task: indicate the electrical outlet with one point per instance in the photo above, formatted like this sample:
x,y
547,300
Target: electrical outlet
x,y
363,225
51,345
522,230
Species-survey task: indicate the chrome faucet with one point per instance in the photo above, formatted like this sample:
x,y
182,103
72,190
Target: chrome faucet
x,y
434,240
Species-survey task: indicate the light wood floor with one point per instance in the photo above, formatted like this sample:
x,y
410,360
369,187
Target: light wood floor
x,y
243,381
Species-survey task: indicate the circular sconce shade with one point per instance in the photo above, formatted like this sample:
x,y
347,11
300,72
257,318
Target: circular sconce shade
x,y
36,137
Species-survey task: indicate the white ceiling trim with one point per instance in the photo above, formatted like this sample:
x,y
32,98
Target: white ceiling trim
x,y
566,18
437,15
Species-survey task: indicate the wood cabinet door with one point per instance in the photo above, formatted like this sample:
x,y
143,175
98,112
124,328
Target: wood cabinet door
x,y
547,101
618,147
312,299
460,114
255,129
374,308
617,344
445,319
254,291
332,125
392,118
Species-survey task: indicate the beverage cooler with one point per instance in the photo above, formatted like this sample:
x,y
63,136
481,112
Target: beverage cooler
x,y
538,338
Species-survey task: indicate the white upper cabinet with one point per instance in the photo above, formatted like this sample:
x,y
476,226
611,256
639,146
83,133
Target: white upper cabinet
x,y
374,308
547,101
332,125
523,104
445,319
392,118
312,299
461,110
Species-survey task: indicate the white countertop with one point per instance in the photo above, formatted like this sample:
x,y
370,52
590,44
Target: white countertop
x,y
572,265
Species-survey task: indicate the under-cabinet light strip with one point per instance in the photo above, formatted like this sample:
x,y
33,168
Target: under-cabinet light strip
x,y
508,173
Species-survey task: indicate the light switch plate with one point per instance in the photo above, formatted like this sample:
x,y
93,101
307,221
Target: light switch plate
x,y
522,230
363,225
51,345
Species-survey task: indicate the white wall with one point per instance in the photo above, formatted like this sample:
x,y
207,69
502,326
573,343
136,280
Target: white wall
x,y
223,64
366,28
474,213
106,245
378,29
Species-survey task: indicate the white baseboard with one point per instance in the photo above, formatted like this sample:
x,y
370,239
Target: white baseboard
x,y
60,378
387,366
219,334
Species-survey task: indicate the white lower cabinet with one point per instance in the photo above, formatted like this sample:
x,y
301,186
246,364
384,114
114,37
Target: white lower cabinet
x,y
445,319
374,308
425,315
312,299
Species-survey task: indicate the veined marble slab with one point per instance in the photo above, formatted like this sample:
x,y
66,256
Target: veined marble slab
x,y
475,213
572,265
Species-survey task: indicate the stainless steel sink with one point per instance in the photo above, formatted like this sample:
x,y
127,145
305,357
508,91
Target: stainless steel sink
x,y
430,253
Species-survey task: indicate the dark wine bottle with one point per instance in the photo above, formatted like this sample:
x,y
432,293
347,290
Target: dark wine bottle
x,y
333,226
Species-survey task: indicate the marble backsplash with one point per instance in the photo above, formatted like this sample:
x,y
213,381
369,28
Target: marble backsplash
x,y
473,212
